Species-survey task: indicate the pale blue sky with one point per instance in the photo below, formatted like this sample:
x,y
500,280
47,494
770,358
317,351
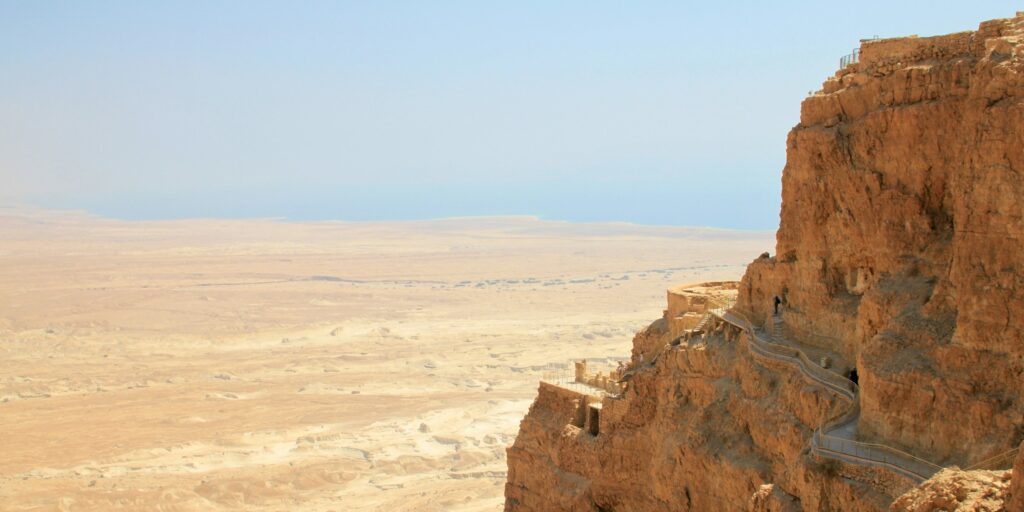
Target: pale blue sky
x,y
650,112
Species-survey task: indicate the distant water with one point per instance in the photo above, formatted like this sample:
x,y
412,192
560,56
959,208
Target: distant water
x,y
712,203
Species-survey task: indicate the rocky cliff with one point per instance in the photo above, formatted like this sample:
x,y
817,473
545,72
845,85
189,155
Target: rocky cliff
x,y
898,256
702,426
901,239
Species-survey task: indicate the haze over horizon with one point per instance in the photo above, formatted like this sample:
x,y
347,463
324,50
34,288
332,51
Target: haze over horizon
x,y
656,114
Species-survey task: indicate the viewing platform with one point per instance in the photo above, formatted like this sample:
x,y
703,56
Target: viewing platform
x,y
602,383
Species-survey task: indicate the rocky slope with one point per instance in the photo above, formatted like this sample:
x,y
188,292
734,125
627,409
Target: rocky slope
x,y
898,252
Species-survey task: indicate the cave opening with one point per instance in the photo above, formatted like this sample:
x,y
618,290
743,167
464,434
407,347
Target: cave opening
x,y
594,421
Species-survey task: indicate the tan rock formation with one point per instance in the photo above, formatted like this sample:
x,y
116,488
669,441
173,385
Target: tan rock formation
x,y
952,489
703,426
900,241
901,238
769,498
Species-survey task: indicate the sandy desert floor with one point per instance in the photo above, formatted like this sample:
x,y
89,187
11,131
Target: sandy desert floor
x,y
267,365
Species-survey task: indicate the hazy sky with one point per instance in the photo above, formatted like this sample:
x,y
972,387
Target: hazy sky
x,y
650,112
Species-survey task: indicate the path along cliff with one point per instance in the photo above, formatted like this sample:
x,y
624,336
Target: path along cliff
x,y
900,239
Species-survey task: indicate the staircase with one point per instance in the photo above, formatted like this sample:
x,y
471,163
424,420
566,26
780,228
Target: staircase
x,y
703,322
776,333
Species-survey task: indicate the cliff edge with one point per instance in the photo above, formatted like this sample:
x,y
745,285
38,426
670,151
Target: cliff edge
x,y
901,238
879,346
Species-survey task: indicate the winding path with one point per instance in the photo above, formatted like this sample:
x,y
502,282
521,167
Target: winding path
x,y
836,438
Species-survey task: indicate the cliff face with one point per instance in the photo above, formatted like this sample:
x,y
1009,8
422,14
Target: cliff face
x,y
899,253
901,240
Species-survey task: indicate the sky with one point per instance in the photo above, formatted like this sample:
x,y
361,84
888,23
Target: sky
x,y
670,113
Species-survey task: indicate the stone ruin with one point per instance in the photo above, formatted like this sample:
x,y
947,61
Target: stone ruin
x,y
608,383
688,304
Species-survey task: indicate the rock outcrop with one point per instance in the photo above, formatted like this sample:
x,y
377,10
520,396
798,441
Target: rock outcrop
x,y
769,498
898,254
953,489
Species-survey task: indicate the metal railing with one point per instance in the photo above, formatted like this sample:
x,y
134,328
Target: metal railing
x,y
871,454
835,382
850,58
1000,461
822,442
568,381
566,378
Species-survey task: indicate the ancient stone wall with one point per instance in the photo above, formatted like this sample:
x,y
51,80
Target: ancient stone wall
x,y
882,56
688,303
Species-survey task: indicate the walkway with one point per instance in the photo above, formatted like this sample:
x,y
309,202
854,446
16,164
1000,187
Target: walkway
x,y
836,438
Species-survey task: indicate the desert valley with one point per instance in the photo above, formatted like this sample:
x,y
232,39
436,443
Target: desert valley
x,y
269,365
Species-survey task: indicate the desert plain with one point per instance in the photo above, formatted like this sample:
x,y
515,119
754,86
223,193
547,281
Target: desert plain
x,y
323,366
